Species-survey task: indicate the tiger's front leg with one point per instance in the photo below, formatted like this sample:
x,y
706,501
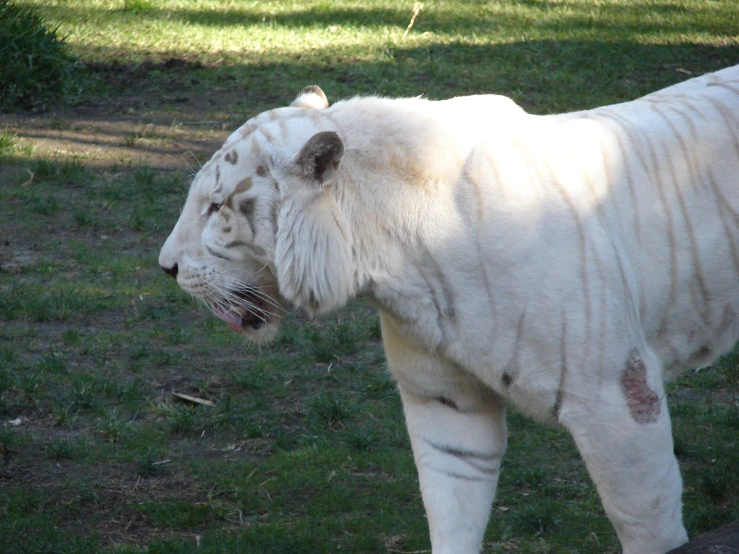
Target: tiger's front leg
x,y
458,456
458,435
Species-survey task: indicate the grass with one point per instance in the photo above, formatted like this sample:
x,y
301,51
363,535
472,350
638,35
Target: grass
x,y
305,449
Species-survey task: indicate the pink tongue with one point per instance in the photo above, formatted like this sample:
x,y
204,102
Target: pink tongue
x,y
232,318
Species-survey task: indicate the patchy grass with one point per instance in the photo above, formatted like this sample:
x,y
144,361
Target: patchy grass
x,y
305,449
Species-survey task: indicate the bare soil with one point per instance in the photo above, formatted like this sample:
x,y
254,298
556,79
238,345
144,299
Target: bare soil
x,y
157,114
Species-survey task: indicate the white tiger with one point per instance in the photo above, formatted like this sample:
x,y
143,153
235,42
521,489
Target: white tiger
x,y
567,264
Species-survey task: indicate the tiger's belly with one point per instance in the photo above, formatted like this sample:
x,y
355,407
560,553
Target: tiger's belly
x,y
687,337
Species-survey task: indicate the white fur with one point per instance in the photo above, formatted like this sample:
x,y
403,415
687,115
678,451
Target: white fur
x,y
567,264
311,222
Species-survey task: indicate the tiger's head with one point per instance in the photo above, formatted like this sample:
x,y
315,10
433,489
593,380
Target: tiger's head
x,y
260,228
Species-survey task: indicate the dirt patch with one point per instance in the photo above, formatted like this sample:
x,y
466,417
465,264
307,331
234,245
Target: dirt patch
x,y
160,114
102,139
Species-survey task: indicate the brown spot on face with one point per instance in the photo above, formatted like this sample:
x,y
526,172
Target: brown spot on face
x,y
506,380
218,173
644,404
246,207
231,157
243,186
261,171
227,229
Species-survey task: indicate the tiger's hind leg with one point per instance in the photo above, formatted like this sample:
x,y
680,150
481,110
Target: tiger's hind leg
x,y
625,438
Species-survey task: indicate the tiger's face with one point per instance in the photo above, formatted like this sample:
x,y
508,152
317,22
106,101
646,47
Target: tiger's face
x,y
221,250
227,250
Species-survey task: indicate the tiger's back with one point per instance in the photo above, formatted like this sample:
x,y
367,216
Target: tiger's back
x,y
633,204
673,177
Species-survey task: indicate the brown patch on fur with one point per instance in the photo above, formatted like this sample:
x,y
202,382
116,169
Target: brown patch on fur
x,y
644,404
248,129
261,171
243,186
231,157
246,207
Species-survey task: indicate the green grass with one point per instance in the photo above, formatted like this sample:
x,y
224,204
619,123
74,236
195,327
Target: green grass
x,y
547,55
305,449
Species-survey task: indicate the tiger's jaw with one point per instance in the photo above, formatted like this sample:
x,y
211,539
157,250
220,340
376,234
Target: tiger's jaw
x,y
257,316
254,328
243,295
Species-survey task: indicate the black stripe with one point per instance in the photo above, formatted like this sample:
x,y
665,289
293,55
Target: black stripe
x,y
447,402
234,244
461,453
563,371
456,475
216,254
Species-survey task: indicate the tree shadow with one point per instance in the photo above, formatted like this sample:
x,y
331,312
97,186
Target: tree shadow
x,y
476,17
542,76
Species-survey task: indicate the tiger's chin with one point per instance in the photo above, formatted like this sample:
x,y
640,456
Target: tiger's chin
x,y
258,317
263,332
260,328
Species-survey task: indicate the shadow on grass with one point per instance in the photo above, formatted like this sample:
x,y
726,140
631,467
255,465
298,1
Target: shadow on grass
x,y
543,76
476,17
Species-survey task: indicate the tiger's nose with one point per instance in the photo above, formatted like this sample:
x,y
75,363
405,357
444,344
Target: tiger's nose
x,y
171,271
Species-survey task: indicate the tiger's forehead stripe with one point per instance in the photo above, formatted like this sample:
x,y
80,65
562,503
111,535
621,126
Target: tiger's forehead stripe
x,y
242,186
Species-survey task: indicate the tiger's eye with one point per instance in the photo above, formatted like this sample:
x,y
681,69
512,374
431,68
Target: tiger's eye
x,y
214,207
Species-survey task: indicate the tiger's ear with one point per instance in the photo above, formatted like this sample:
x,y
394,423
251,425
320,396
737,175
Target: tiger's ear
x,y
311,97
319,158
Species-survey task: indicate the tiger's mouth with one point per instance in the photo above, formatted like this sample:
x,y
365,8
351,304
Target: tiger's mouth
x,y
251,313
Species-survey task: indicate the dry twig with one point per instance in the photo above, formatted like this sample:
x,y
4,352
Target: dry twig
x,y
417,7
